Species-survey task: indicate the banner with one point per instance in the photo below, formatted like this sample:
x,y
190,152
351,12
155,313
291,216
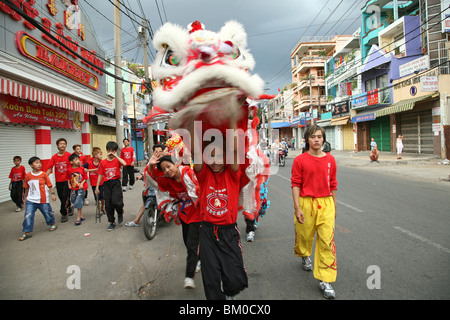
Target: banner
x,y
16,110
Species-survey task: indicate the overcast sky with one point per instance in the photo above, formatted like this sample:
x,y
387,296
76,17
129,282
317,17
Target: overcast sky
x,y
273,26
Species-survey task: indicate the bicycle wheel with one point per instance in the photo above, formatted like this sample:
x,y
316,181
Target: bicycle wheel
x,y
149,221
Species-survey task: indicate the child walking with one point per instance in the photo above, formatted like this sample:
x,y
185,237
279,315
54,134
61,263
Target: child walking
x,y
314,188
60,161
109,169
37,185
92,167
78,185
17,175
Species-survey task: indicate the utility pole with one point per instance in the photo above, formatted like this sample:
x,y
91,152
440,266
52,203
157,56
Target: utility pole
x,y
149,131
311,111
118,73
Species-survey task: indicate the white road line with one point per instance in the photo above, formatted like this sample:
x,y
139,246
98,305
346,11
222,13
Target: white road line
x,y
349,206
409,233
338,201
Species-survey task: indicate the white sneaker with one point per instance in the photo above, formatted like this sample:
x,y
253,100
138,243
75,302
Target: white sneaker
x,y
327,290
251,236
124,189
189,283
130,187
306,263
18,209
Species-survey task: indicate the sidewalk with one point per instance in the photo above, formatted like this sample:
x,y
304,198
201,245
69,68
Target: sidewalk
x,y
424,167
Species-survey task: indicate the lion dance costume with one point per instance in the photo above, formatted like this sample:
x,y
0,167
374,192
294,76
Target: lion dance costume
x,y
204,76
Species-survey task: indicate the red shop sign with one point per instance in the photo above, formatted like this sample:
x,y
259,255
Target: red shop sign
x,y
372,97
22,111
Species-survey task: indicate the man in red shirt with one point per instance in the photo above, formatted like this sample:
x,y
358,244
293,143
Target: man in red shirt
x,y
314,189
60,161
128,155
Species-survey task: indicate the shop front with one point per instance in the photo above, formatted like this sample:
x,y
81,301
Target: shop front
x,y
50,80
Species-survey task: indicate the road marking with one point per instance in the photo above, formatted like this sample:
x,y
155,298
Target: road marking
x,y
416,236
349,206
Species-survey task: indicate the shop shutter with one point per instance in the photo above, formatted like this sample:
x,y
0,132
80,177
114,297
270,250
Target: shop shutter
x,y
380,130
330,133
416,128
16,140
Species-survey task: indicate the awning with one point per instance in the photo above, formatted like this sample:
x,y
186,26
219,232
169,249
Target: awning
x,y
19,90
340,121
403,105
276,125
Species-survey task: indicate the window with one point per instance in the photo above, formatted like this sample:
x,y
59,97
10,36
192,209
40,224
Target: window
x,y
370,84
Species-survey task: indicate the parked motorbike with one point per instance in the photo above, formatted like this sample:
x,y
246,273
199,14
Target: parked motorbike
x,y
151,217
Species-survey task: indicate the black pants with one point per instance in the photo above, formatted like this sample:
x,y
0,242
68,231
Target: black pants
x,y
17,193
128,171
62,188
191,238
112,192
222,261
249,225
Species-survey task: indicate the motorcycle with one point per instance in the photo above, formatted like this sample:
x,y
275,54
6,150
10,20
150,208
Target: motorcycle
x,y
151,217
281,157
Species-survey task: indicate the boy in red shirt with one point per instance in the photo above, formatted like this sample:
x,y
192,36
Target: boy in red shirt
x,y
17,175
83,159
314,188
127,154
60,161
78,185
37,185
109,170
180,184
92,166
223,271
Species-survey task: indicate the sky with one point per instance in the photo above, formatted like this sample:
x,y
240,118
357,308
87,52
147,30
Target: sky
x,y
273,27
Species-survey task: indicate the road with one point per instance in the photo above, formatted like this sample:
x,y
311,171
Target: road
x,y
392,242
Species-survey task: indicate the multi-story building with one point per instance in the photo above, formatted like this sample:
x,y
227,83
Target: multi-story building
x,y
342,80
404,78
308,76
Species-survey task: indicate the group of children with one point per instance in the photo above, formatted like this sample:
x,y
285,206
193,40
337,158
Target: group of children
x,y
207,196
72,173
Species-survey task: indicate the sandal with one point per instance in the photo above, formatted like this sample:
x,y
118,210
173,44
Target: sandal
x,y
131,224
53,228
25,236
77,222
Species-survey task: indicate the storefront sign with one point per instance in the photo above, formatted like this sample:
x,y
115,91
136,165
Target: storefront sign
x,y
359,101
419,64
340,108
366,117
39,52
429,83
15,110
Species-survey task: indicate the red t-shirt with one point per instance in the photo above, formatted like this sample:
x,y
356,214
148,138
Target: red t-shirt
x,y
315,176
76,176
127,154
187,210
93,175
109,169
17,174
219,195
62,165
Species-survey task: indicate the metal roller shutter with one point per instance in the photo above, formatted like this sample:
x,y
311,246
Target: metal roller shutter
x,y
16,140
417,132
381,131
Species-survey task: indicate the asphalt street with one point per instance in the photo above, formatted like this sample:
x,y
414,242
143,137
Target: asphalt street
x,y
391,235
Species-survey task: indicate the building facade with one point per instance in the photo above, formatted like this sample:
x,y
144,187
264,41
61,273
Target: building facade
x,y
51,81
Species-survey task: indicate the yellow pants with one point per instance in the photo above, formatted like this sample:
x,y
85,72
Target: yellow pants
x,y
319,216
